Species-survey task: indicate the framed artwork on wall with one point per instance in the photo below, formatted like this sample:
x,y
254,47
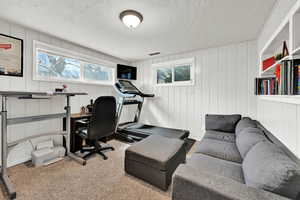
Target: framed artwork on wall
x,y
11,56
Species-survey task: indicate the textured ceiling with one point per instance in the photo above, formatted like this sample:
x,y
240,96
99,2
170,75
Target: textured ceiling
x,y
169,26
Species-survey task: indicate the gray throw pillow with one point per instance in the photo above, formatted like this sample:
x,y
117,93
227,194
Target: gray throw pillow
x,y
246,122
248,138
225,123
268,167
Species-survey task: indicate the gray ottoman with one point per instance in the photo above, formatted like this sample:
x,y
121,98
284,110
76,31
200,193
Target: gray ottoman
x,y
154,159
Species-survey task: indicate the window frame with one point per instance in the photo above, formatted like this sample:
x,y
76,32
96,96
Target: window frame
x,y
172,65
83,59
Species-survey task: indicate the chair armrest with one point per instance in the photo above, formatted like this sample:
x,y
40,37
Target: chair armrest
x,y
192,184
225,123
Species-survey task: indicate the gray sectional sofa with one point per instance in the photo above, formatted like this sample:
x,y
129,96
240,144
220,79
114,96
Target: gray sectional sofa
x,y
237,159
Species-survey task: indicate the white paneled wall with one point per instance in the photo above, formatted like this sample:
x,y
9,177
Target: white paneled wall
x,y
223,84
34,107
282,119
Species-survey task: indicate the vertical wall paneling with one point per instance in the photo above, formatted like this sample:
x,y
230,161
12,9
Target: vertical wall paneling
x,y
298,130
34,107
223,84
282,119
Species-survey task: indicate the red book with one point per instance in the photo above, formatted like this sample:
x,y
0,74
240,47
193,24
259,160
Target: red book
x,y
5,46
268,63
277,71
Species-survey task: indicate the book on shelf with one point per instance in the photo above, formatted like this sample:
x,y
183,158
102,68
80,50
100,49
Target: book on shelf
x,y
268,63
297,77
286,82
266,86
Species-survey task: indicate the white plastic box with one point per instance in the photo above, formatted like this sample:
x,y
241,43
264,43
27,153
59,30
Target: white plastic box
x,y
47,156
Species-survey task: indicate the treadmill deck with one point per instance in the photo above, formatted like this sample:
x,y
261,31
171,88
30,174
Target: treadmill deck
x,y
144,130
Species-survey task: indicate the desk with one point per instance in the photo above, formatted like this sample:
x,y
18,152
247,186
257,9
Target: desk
x,y
5,122
75,140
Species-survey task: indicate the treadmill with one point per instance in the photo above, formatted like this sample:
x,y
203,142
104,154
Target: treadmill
x,y
135,131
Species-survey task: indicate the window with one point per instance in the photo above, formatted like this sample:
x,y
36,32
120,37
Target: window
x,y
182,73
164,75
179,72
95,72
56,64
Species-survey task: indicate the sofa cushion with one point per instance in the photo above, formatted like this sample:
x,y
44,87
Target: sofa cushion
x,y
219,135
155,151
248,138
219,149
191,184
266,166
216,166
246,122
225,123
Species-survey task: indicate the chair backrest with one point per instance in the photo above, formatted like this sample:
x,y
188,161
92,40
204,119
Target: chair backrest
x,y
103,120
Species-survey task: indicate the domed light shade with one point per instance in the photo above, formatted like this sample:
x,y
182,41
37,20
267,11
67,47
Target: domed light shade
x,y
131,18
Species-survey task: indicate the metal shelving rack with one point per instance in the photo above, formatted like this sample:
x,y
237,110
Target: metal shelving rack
x,y
20,120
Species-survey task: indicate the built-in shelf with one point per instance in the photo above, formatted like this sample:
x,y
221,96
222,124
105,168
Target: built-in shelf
x,y
296,51
271,70
289,31
290,99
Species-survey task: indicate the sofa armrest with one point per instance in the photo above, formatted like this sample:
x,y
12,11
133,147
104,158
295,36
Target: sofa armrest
x,y
225,123
192,184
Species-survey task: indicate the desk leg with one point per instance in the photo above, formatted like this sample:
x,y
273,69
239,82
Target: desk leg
x,y
8,185
68,129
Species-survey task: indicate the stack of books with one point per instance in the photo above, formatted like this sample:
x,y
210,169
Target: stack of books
x,y
266,86
286,82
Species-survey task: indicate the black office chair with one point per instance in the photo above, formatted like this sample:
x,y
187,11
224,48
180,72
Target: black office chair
x,y
101,125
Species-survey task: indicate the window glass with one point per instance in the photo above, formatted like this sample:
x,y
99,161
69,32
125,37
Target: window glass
x,y
182,73
97,72
164,75
58,64
55,66
177,72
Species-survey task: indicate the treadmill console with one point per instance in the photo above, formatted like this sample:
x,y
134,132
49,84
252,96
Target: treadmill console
x,y
126,87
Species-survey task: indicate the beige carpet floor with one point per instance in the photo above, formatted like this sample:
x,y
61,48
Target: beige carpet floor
x,y
98,180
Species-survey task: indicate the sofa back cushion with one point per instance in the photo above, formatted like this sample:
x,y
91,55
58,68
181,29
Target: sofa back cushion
x,y
267,167
225,123
246,122
248,138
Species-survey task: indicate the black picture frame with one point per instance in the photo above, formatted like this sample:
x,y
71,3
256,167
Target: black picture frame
x,y
22,57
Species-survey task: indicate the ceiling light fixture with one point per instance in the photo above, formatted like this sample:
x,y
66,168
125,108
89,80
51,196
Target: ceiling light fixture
x,y
131,18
